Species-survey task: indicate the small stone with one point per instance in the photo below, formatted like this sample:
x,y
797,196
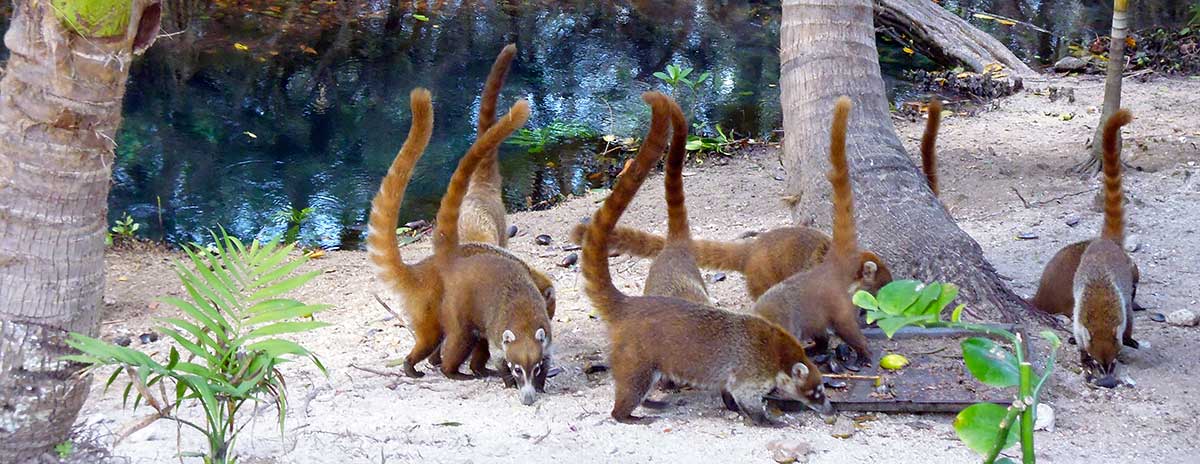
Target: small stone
x,y
835,383
1070,63
919,425
788,451
553,372
1183,318
417,225
592,368
542,239
123,340
569,260
1132,246
1072,221
1158,317
1027,236
718,277
844,428
571,247
512,231
148,337
1045,418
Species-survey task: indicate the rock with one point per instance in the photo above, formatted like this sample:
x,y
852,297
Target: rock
x,y
1027,236
1070,63
843,428
1072,221
148,337
569,260
919,425
417,225
1131,245
1158,317
718,277
542,239
1183,318
512,231
1045,418
787,451
123,340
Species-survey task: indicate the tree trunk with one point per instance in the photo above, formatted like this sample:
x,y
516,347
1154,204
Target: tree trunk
x,y
1112,85
828,49
60,105
947,38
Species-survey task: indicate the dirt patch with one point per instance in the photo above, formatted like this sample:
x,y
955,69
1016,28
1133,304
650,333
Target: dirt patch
x,y
1024,145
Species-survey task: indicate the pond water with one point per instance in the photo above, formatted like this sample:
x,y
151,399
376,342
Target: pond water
x,y
248,110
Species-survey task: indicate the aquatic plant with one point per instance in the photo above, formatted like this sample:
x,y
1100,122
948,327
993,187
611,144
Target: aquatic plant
x,y
985,428
293,219
123,229
536,140
228,356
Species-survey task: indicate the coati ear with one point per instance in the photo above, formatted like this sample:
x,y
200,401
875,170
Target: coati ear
x,y
508,337
540,335
799,370
868,270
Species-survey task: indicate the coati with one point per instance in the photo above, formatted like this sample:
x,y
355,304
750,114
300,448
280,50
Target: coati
x,y
811,302
673,272
929,143
1102,276
483,218
653,336
421,284
488,299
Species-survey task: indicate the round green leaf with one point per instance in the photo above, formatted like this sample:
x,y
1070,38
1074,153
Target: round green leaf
x,y
926,296
990,362
978,427
895,297
957,314
865,301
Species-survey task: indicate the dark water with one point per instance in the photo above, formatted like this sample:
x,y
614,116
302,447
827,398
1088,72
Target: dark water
x,y
252,108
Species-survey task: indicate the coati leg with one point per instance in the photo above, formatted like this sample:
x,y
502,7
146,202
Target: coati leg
x,y
750,402
654,404
455,349
435,358
479,358
730,404
633,384
1127,337
845,325
820,344
425,331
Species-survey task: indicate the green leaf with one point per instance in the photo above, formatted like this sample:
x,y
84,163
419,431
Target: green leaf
x,y
273,305
284,286
957,314
890,325
663,76
893,298
873,316
279,272
948,294
172,358
191,347
289,313
925,298
865,300
195,331
694,145
990,362
285,327
420,17
978,426
204,316
1051,337
702,78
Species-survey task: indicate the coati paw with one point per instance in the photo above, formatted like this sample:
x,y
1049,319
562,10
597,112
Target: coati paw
x,y
642,420
456,375
485,372
411,371
1131,343
654,404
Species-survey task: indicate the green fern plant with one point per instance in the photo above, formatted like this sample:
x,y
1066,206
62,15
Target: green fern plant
x,y
227,354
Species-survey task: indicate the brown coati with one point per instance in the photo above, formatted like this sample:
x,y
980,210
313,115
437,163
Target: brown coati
x,y
488,299
929,144
654,337
1103,277
810,303
674,272
421,284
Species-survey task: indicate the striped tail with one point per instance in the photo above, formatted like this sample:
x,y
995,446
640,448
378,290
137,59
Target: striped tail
x,y
929,144
1114,211
488,171
677,216
383,250
844,241
599,285
445,241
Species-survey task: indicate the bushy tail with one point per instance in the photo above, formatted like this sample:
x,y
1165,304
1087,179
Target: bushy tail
x,y
446,237
382,248
929,144
844,241
1114,211
599,285
677,216
710,254
488,170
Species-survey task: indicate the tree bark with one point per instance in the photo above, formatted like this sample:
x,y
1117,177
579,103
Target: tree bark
x,y
1112,85
60,105
945,37
827,50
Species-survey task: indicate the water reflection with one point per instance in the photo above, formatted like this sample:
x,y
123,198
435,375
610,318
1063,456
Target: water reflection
x,y
246,108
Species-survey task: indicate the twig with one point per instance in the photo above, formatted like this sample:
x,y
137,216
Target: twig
x,y
1023,201
876,378
388,308
543,437
375,371
1062,197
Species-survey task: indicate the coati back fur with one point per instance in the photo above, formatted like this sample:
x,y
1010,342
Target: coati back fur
x,y
809,303
420,285
1103,283
674,272
695,344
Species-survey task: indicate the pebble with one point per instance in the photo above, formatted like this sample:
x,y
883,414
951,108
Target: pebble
x,y
417,225
569,260
919,425
123,340
788,451
1132,244
1070,63
1183,318
718,277
1158,317
844,428
512,231
542,239
148,337
1072,221
1027,236
1045,418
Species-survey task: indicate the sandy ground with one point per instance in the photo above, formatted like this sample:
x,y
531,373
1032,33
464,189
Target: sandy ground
x,y
1023,144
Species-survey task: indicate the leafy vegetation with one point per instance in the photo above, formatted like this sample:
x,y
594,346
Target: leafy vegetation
x,y
226,354
124,229
985,428
293,219
557,132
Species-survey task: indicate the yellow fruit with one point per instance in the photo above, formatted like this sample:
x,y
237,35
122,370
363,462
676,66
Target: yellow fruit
x,y
893,362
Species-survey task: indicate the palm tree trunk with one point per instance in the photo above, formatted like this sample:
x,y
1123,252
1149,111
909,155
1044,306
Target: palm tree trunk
x,y
1112,84
828,49
60,105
